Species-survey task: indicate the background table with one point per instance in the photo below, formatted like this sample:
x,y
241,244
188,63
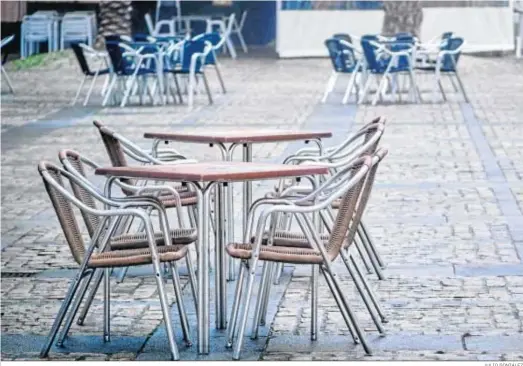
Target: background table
x,y
228,141
204,176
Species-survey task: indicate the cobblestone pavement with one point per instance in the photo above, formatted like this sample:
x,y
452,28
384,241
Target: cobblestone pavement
x,y
445,212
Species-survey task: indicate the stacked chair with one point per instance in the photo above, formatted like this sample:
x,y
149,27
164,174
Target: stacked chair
x,y
313,221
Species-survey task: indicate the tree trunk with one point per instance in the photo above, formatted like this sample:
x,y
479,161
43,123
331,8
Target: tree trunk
x,y
402,16
114,19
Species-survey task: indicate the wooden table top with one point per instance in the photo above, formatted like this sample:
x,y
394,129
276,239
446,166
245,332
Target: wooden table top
x,y
220,171
238,137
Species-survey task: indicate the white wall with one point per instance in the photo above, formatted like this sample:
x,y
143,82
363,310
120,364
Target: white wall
x,y
301,33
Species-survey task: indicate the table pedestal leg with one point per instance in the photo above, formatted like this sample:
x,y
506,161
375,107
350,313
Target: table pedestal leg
x,y
219,251
203,271
247,187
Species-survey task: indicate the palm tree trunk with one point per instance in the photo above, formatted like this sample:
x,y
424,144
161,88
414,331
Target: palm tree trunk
x,y
402,16
114,18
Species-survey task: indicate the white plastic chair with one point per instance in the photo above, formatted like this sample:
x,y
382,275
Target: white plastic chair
x,y
156,30
76,28
35,30
4,42
225,31
237,29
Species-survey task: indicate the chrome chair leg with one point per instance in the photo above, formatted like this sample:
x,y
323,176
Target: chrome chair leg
x,y
266,295
344,314
61,314
350,314
370,242
74,310
374,262
260,300
107,305
368,267
236,305
92,293
245,314
179,302
363,295
369,290
314,302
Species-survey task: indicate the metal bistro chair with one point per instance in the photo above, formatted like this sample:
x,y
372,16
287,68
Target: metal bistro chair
x,y
98,256
225,28
344,61
80,51
287,238
5,41
175,197
238,28
388,58
78,165
320,254
217,42
447,64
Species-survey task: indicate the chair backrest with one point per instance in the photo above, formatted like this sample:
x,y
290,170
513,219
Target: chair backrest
x,y
80,57
76,164
149,23
342,56
189,48
450,62
344,228
377,158
37,26
369,52
114,148
120,64
76,25
53,178
343,36
214,38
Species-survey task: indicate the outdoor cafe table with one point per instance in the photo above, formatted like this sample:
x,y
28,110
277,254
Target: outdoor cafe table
x,y
203,177
228,141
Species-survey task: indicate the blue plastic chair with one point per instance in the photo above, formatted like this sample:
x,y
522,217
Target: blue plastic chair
x,y
78,50
344,61
446,63
128,65
191,62
217,42
4,43
392,57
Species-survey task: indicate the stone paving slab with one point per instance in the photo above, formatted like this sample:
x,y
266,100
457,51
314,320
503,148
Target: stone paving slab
x,y
445,211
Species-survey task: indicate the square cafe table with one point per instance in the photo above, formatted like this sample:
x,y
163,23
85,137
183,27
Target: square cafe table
x,y
228,141
203,177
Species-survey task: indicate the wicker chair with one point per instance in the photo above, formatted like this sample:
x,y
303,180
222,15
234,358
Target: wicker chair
x,y
78,165
98,256
176,197
347,184
288,238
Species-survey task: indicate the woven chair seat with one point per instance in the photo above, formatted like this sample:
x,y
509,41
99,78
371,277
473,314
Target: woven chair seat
x,y
188,198
276,253
139,240
134,257
284,238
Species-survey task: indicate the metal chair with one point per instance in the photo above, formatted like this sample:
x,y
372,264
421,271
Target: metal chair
x,y
238,28
78,165
80,50
320,254
344,60
77,28
388,58
446,64
5,41
217,42
36,29
98,256
225,28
